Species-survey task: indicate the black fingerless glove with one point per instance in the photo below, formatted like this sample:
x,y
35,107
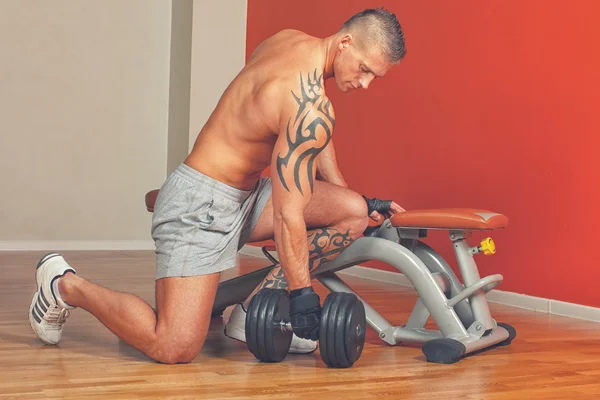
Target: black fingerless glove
x,y
305,313
381,206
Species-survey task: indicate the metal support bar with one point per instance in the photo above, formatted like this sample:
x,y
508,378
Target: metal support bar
x,y
407,335
471,289
436,263
477,343
420,314
470,275
421,278
418,317
375,320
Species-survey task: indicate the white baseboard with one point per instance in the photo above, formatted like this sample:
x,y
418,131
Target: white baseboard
x,y
574,310
61,245
523,301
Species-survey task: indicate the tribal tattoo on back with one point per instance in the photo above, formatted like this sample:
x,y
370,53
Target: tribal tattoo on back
x,y
314,113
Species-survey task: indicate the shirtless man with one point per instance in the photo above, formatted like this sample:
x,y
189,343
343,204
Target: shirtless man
x,y
275,112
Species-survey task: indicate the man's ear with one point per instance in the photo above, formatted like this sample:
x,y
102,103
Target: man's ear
x,y
345,42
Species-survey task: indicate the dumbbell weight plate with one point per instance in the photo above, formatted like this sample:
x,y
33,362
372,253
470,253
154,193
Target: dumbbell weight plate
x,y
327,329
265,337
342,330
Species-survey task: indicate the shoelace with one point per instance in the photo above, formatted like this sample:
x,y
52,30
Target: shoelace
x,y
56,317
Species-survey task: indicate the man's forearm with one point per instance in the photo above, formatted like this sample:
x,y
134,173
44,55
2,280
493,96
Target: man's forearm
x,y
292,249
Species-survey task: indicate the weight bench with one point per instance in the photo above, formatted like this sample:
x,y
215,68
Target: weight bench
x,y
460,310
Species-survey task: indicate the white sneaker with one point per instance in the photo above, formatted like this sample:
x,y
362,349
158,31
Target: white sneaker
x,y
236,329
48,312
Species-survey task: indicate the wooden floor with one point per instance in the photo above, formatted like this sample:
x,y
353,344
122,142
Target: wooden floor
x,y
551,358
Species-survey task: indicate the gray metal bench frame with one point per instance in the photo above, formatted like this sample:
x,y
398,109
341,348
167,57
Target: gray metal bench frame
x,y
460,310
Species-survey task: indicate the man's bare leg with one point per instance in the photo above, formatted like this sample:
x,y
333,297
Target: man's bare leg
x,y
175,333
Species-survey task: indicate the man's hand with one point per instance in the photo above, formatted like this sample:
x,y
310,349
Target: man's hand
x,y
305,313
381,208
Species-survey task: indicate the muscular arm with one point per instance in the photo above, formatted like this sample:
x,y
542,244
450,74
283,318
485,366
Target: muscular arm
x,y
327,168
306,129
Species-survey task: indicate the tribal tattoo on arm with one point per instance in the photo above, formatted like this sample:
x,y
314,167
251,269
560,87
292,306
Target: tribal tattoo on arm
x,y
303,140
275,279
324,245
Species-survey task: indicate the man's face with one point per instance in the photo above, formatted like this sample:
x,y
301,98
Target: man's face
x,y
355,67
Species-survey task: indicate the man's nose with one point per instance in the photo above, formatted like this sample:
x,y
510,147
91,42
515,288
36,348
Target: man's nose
x,y
365,82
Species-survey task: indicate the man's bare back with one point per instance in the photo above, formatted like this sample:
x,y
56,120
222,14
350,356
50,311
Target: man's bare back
x,y
237,142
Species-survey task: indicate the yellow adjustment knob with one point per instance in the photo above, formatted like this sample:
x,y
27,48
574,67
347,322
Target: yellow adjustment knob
x,y
488,246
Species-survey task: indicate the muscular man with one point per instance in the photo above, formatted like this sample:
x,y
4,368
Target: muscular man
x,y
275,112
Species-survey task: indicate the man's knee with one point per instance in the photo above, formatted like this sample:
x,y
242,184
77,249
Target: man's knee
x,y
356,220
174,350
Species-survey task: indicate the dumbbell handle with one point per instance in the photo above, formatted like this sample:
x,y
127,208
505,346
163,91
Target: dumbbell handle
x,y
286,326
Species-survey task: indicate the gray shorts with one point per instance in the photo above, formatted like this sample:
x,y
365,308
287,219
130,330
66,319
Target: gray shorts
x,y
199,224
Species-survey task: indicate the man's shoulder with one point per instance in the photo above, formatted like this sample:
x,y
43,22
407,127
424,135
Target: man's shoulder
x,y
292,40
287,37
306,95
287,69
303,80
308,82
291,33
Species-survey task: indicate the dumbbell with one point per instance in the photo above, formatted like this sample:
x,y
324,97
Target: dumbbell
x,y
341,331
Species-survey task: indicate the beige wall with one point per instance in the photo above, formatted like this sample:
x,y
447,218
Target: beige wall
x,y
84,117
218,54
100,101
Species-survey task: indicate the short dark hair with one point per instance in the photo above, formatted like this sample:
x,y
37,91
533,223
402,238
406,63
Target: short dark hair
x,y
382,26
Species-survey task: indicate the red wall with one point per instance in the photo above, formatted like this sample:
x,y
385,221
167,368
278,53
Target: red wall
x,y
495,106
